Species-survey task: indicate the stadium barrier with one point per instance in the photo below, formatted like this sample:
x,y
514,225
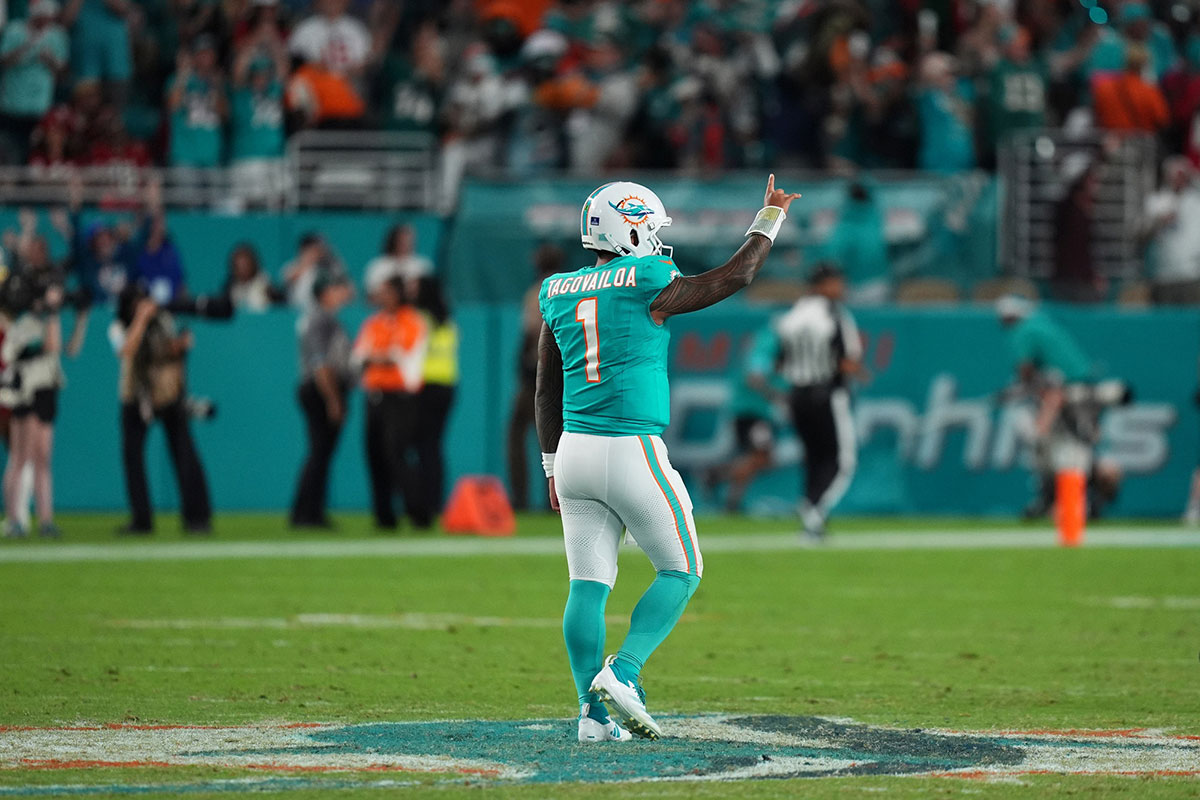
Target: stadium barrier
x,y
913,225
934,438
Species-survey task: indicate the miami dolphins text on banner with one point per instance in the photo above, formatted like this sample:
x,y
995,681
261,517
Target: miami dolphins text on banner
x,y
934,435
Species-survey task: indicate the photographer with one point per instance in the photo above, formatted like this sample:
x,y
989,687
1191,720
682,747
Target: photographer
x,y
1053,371
32,298
33,376
153,385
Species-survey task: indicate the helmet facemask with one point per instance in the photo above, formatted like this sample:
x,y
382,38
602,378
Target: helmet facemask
x,y
641,243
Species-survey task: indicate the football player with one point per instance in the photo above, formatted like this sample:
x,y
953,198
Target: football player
x,y
602,401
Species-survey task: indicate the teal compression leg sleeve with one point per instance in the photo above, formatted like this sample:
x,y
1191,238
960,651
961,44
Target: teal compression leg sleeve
x,y
583,631
653,619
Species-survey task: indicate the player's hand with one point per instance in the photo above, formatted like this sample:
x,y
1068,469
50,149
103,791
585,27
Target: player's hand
x,y
554,498
777,197
336,411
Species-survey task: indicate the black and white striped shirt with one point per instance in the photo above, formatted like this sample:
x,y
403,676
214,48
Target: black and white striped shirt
x,y
814,336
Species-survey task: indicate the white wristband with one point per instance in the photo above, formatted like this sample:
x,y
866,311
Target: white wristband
x,y
548,464
768,222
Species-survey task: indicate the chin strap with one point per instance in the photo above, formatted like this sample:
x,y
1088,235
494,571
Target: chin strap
x,y
767,222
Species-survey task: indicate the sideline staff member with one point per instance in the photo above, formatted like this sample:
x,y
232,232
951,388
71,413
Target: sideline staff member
x,y
440,375
820,350
391,350
326,379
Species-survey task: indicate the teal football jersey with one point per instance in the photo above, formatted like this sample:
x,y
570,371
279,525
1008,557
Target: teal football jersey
x,y
614,355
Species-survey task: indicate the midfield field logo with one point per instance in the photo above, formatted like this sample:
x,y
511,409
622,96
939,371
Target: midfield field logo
x,y
705,748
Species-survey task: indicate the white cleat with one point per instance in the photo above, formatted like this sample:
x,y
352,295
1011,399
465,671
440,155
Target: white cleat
x,y
591,730
625,701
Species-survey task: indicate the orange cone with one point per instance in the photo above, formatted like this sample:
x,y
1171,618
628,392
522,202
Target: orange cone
x,y
1070,490
479,504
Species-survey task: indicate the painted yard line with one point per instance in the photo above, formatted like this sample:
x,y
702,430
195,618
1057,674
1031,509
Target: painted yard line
x,y
417,621
273,784
964,539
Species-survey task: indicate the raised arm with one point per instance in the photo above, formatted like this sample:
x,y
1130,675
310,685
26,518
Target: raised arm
x,y
694,292
547,404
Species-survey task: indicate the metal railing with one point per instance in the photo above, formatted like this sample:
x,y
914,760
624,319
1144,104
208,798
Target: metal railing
x,y
362,169
1036,167
321,169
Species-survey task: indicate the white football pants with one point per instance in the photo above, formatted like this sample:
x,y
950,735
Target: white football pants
x,y
607,484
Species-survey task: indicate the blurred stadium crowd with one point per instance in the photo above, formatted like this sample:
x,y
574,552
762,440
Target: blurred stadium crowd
x,y
587,84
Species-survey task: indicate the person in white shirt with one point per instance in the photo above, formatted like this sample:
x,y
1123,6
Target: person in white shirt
x,y
313,256
398,259
338,41
1172,234
247,286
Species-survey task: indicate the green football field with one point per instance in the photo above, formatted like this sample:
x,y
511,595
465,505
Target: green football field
x,y
906,657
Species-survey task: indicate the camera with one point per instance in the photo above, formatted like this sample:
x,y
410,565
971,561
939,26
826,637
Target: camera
x,y
200,407
207,306
23,292
1104,394
1085,402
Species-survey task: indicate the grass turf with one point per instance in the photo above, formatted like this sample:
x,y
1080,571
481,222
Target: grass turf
x,y
974,640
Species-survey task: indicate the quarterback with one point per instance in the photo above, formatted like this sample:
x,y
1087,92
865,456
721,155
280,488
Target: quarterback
x,y
602,402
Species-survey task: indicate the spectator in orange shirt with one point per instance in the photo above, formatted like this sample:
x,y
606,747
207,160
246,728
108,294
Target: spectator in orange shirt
x,y
1128,102
320,98
391,350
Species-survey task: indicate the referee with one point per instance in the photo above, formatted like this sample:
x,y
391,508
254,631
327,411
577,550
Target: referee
x,y
820,348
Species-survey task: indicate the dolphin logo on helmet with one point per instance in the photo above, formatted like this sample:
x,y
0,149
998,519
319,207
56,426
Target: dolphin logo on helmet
x,y
633,209
623,218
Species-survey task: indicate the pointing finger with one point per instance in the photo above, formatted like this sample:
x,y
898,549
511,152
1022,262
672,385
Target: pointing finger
x,y
771,182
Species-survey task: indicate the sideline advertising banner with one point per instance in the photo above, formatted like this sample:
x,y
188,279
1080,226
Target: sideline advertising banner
x,y
934,435
926,226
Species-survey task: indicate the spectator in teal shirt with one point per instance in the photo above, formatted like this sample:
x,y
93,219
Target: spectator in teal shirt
x,y
256,123
256,110
944,105
858,246
257,114
33,54
100,43
1137,26
198,107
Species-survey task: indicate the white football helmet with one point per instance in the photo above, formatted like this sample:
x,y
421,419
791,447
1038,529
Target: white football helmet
x,y
623,218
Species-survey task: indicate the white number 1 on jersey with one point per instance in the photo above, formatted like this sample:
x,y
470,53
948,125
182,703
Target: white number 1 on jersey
x,y
585,314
